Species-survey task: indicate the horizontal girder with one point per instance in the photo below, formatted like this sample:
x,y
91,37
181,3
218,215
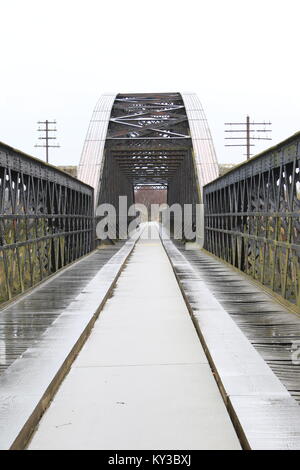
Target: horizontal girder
x,y
148,137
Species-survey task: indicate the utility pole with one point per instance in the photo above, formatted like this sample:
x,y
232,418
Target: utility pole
x,y
46,129
247,133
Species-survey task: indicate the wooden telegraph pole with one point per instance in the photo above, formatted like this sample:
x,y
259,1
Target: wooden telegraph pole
x,y
247,133
46,129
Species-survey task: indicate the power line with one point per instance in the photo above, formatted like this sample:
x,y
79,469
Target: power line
x,y
248,130
46,129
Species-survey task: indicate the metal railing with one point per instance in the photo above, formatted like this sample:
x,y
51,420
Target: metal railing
x,y
46,221
252,216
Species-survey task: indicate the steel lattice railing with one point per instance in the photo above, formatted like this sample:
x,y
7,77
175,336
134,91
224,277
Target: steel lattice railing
x,y
252,218
46,221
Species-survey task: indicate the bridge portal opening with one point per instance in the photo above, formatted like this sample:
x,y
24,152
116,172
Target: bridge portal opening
x,y
150,196
148,153
158,141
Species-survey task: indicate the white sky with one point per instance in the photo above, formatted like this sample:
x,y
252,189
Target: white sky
x,y
58,57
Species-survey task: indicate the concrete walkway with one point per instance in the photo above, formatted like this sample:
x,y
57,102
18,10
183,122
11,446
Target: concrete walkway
x,y
142,380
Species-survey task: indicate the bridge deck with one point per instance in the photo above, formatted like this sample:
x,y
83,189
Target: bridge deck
x,y
265,414
30,381
270,327
23,323
142,380
131,381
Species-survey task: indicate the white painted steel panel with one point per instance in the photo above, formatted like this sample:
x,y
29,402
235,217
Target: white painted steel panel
x,y
91,161
204,151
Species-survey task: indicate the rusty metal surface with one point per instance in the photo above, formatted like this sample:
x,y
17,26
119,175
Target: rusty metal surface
x,y
252,218
46,221
23,323
270,327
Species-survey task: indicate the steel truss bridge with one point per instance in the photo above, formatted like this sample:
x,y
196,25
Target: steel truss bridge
x,y
148,139
240,295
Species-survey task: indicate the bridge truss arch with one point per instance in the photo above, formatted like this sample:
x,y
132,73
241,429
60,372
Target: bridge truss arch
x,y
155,139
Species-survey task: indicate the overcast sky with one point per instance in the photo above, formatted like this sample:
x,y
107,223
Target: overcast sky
x,y
58,57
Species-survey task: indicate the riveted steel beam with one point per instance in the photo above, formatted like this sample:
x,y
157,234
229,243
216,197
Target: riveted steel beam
x,y
46,221
252,216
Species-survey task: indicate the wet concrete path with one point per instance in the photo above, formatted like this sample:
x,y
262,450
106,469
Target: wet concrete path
x,y
23,323
142,380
